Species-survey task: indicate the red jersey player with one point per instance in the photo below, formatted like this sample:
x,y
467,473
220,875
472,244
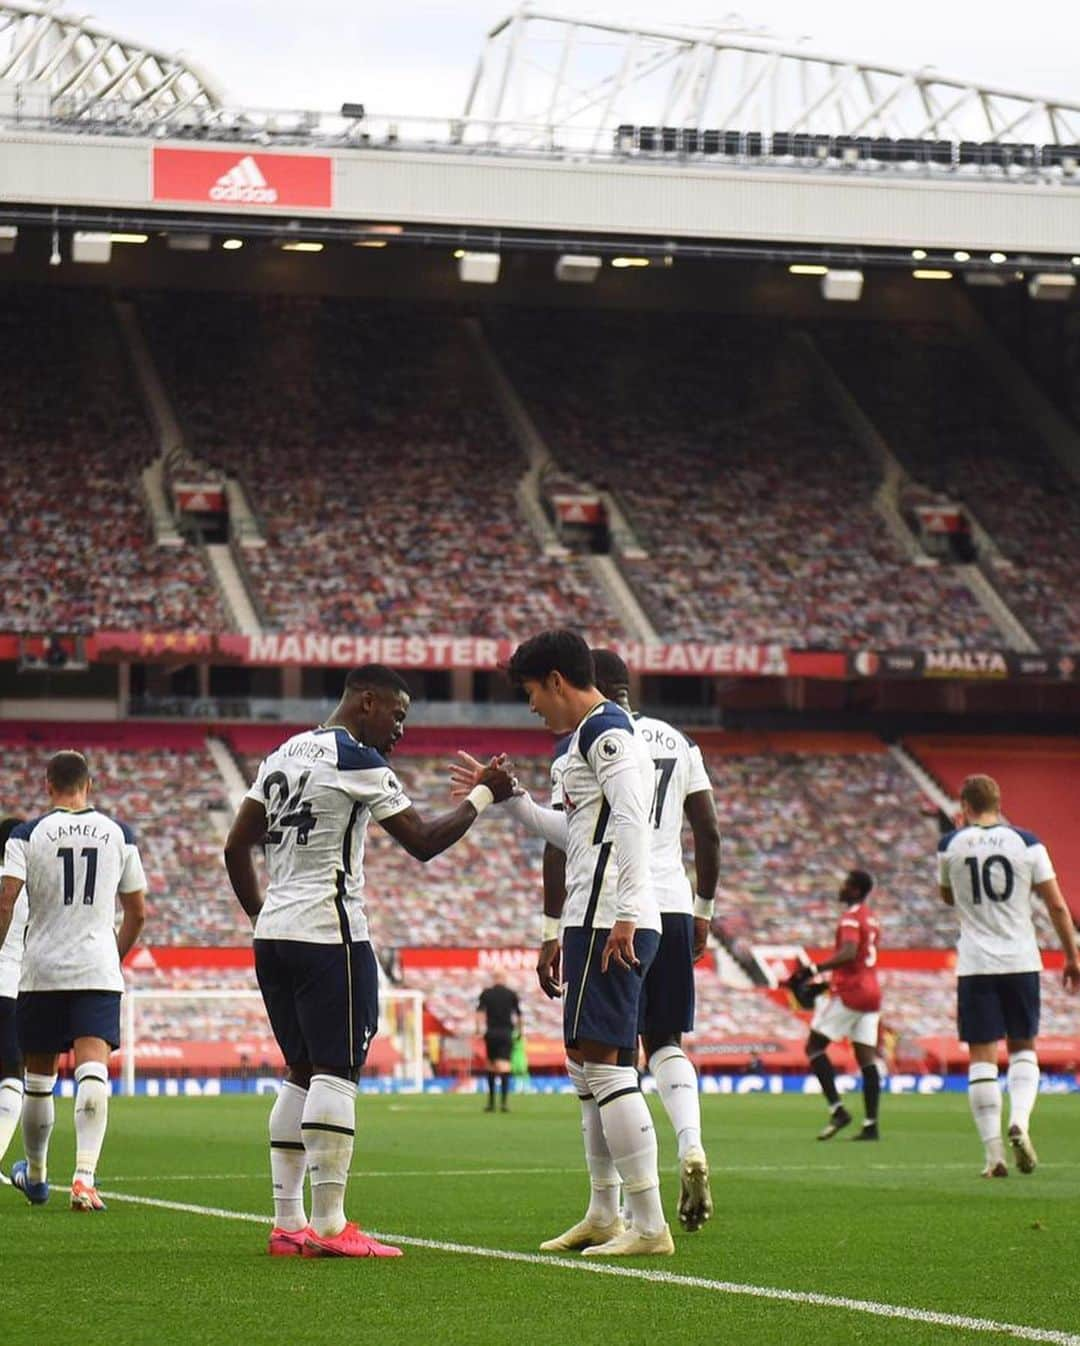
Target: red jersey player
x,y
851,1007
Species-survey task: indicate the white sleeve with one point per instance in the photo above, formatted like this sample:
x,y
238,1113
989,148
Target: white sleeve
x,y
1039,857
255,789
558,799
377,787
697,776
547,823
133,878
15,859
628,799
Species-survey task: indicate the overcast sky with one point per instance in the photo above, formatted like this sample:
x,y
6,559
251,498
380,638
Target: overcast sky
x,y
417,56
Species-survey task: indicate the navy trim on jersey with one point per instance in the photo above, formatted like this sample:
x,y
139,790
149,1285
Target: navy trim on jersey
x,y
22,831
346,841
1029,838
339,907
610,716
354,756
602,820
129,832
597,883
943,844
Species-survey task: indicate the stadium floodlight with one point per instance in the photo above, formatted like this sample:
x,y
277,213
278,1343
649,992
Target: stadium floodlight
x,y
577,269
932,275
91,247
804,269
129,238
1075,261
370,243
479,268
621,263
301,246
188,242
842,286
997,258
918,254
961,256
1051,285
232,244
8,234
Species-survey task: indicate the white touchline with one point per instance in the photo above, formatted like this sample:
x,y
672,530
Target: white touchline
x,y
868,1306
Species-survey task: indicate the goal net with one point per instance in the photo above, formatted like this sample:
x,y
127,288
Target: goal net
x,y
191,1042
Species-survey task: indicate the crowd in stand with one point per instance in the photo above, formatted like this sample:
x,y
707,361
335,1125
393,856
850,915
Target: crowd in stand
x,y
78,552
739,477
382,469
943,415
175,801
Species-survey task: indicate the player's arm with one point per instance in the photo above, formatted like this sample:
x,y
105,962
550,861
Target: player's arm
x,y
10,889
547,963
846,952
550,824
629,803
425,838
248,830
946,895
700,809
1058,908
133,907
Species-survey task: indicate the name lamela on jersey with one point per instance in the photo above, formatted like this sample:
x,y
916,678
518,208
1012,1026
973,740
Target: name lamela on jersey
x,y
87,831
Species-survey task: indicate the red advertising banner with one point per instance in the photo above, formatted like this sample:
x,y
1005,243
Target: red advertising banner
x,y
241,180
196,497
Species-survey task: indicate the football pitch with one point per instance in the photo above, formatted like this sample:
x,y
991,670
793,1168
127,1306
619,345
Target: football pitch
x,y
898,1242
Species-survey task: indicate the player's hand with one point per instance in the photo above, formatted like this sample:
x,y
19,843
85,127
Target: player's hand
x,y
468,772
1070,977
499,781
701,937
547,969
620,947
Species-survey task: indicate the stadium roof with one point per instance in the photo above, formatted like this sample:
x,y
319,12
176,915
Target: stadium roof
x,y
78,63
543,69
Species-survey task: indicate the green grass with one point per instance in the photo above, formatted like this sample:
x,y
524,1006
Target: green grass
x,y
906,1222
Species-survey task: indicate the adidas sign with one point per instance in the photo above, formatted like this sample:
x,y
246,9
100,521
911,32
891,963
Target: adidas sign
x,y
244,182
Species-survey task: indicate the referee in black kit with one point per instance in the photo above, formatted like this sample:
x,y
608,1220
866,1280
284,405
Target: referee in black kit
x,y
502,1020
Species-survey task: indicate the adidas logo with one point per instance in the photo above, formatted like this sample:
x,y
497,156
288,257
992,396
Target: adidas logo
x,y
244,182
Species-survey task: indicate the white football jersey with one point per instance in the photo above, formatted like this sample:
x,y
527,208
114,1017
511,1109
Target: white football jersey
x,y
679,770
73,862
11,951
991,872
320,789
606,784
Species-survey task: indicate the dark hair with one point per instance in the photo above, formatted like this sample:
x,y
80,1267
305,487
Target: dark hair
x,y
862,880
67,771
376,676
7,826
612,675
558,651
981,794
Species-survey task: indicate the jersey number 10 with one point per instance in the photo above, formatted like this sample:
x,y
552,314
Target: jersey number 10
x,y
982,880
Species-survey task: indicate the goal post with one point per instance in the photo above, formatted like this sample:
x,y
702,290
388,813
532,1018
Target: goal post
x,y
222,1036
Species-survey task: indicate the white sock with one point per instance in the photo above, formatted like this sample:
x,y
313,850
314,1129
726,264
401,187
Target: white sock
x,y
11,1102
984,1096
328,1128
1023,1088
677,1084
631,1141
38,1118
91,1117
288,1158
603,1175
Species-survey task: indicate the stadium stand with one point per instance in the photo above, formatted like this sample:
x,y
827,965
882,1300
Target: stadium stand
x,y
957,433
378,463
740,479
78,554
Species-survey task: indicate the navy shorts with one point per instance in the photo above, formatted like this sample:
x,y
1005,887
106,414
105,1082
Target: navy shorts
x,y
10,1056
322,1000
50,1021
603,1006
998,1005
667,998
